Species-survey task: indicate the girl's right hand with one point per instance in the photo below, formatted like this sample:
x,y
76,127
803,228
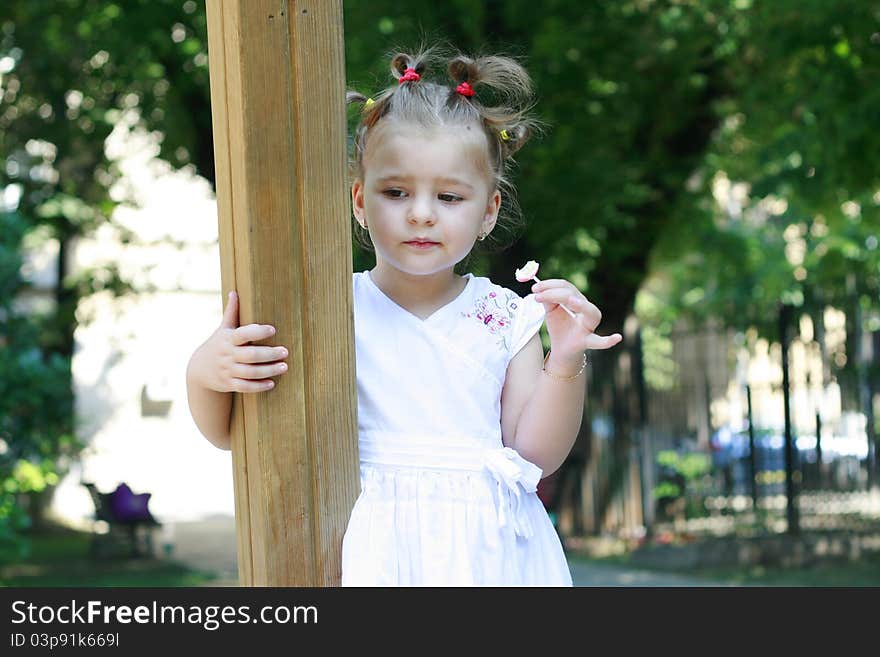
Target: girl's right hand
x,y
227,362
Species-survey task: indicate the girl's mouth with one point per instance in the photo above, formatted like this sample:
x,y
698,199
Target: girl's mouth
x,y
422,245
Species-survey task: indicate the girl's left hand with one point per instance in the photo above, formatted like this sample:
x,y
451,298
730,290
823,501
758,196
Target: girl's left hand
x,y
571,336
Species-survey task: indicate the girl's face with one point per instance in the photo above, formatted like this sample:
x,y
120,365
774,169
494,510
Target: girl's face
x,y
423,184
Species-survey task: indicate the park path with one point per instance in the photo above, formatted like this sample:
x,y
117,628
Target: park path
x,y
209,545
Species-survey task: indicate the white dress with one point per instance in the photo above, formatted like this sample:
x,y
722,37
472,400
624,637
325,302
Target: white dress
x,y
442,501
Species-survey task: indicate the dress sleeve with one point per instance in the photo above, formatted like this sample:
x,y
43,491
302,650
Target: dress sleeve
x,y
526,322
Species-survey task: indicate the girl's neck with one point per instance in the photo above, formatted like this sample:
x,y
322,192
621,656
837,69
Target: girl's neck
x,y
420,295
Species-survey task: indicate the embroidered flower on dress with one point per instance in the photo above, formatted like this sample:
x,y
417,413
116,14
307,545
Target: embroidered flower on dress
x,y
496,314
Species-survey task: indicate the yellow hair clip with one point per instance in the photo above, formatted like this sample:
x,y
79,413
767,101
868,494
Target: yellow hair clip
x,y
505,136
370,102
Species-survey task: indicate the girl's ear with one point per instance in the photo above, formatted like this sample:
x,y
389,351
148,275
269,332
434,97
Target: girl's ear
x,y
492,208
357,200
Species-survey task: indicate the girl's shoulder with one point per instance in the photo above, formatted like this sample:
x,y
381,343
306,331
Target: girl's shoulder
x,y
485,289
488,287
503,313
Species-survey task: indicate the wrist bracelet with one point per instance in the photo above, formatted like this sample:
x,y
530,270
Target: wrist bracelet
x,y
564,378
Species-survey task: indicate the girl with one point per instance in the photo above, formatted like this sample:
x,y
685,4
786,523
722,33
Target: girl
x,y
458,417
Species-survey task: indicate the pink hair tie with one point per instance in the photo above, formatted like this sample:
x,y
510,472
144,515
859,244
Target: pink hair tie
x,y
409,75
465,89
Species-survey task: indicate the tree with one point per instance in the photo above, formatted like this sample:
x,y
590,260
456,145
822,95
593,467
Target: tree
x,y
798,216
645,102
68,70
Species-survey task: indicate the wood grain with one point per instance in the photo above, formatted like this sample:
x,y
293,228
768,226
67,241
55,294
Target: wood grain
x,y
278,107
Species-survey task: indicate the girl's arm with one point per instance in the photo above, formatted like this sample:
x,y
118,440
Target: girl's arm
x,y
541,415
227,362
544,412
210,409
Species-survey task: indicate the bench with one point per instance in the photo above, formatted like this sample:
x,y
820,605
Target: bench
x,y
125,535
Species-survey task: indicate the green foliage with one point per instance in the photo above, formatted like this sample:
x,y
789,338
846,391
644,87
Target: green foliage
x,y
36,408
682,477
628,92
60,96
691,465
799,215
667,489
35,397
649,104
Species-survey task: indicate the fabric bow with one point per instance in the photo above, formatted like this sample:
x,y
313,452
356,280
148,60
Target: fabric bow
x,y
518,476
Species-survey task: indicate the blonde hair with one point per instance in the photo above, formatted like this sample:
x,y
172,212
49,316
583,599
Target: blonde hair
x,y
502,111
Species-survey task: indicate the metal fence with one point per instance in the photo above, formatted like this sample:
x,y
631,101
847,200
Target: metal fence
x,y
692,458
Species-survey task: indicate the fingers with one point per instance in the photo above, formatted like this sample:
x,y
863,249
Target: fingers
x,y
252,333
255,364
230,315
573,300
244,377
557,295
603,341
580,304
248,367
258,372
587,314
555,284
254,378
259,354
243,334
244,385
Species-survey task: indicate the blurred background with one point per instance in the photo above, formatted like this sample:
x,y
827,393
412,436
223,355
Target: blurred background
x,y
708,178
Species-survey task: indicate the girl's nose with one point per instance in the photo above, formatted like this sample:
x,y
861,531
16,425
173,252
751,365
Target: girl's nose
x,y
421,211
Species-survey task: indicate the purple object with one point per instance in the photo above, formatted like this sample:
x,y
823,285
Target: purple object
x,y
127,506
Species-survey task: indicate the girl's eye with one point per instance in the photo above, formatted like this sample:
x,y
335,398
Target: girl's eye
x,y
394,193
449,198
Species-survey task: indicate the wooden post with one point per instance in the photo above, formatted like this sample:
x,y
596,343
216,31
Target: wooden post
x,y
278,108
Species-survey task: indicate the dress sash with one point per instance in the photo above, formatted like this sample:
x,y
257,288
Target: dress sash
x,y
514,476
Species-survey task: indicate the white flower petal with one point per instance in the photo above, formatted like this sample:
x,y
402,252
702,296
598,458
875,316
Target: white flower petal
x,y
528,271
